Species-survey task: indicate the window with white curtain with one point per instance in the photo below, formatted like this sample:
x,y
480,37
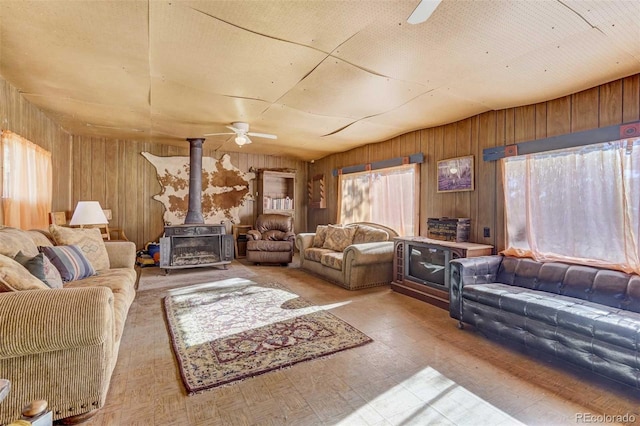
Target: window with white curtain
x,y
578,205
386,196
26,182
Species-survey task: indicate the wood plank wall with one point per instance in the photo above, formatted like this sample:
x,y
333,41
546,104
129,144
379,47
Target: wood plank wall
x,y
23,118
115,173
605,105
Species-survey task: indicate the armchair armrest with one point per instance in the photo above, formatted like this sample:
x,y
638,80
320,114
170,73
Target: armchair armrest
x,y
254,234
122,254
369,253
470,270
41,321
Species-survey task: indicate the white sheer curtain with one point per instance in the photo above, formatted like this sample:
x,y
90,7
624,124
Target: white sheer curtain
x,y
580,205
26,183
386,196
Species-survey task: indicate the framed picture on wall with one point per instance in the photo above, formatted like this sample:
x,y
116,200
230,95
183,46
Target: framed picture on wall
x,y
455,174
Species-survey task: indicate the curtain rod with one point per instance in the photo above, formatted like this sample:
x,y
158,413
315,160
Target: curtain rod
x,y
384,164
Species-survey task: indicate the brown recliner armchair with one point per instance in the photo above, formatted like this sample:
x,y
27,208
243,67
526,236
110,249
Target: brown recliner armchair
x,y
272,241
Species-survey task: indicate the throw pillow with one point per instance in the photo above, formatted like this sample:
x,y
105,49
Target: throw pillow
x,y
13,240
321,234
88,239
52,276
369,234
338,238
70,261
35,265
40,267
15,277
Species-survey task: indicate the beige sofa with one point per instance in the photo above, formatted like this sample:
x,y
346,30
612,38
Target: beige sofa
x,y
61,344
360,256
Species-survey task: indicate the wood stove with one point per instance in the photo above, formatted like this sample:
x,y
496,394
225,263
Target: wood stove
x,y
193,246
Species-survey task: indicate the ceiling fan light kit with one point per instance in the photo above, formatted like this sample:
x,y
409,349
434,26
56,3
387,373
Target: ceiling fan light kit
x,y
242,140
242,133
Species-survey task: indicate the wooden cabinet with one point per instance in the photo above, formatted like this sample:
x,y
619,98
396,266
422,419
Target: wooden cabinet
x,y
276,192
421,266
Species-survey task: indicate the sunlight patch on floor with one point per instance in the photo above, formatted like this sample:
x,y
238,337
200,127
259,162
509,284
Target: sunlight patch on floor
x,y
428,397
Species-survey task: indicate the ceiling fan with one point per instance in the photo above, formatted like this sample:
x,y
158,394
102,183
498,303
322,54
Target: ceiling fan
x,y
241,130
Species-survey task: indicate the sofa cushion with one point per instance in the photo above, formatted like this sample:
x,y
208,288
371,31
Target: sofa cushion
x,y
632,299
70,261
339,238
274,235
369,234
13,240
269,245
319,237
332,260
15,277
315,253
41,238
89,240
121,281
567,313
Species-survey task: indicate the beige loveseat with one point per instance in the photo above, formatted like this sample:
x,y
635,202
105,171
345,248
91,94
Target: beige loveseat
x,y
360,255
60,344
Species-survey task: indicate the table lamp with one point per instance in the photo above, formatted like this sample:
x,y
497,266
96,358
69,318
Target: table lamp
x,y
88,213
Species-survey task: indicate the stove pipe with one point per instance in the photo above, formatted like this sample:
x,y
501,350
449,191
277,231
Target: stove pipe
x,y
194,214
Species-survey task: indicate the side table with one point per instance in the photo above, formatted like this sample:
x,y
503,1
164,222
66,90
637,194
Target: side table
x,y
240,239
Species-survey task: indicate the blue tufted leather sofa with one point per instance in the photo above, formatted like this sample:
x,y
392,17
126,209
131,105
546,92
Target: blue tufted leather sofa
x,y
585,315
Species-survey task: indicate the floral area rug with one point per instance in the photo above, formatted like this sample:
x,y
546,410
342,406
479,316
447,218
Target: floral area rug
x,y
233,329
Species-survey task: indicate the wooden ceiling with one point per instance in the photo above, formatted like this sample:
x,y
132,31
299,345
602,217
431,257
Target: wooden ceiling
x,y
325,76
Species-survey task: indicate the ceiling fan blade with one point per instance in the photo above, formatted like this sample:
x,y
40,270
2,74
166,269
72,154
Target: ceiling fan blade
x,y
263,135
216,134
248,140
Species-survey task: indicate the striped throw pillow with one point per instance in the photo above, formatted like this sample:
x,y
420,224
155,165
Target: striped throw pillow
x,y
70,261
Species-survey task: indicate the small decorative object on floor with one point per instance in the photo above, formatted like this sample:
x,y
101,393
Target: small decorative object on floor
x,y
234,329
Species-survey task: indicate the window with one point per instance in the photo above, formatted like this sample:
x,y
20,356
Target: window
x,y
26,183
579,205
386,196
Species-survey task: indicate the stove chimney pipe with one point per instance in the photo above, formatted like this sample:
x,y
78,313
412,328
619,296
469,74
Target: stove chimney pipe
x,y
194,214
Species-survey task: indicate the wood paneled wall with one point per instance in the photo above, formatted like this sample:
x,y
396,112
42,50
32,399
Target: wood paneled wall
x,y
609,104
21,117
115,173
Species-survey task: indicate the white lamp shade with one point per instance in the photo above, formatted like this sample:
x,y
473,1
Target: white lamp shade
x,y
88,213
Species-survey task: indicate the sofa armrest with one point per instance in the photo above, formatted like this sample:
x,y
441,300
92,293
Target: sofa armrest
x,y
38,321
369,253
470,270
304,241
122,254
